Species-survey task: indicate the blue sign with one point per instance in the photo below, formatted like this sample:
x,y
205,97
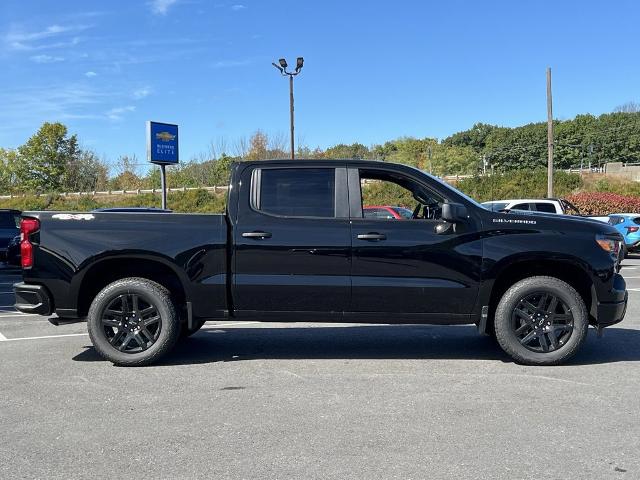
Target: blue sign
x,y
162,143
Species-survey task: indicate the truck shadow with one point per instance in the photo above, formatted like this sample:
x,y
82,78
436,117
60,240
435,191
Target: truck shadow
x,y
411,342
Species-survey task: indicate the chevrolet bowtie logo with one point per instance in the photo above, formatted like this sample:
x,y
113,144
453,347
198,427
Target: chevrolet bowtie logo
x,y
165,136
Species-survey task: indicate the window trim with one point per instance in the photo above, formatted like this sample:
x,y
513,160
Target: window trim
x,y
340,207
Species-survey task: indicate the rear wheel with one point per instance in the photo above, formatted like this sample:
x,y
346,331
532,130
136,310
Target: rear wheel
x,y
541,321
132,322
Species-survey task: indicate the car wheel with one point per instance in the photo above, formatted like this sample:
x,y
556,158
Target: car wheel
x,y
541,321
132,322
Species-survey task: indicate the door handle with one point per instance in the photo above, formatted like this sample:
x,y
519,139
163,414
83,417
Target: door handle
x,y
258,235
372,236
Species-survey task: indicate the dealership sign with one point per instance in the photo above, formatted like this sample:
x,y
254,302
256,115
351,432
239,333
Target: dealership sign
x,y
162,143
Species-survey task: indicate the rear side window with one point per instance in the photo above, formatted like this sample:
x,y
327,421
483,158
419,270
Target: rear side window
x,y
615,220
546,207
636,220
297,192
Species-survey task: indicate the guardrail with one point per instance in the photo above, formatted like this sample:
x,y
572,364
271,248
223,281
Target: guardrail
x,y
137,191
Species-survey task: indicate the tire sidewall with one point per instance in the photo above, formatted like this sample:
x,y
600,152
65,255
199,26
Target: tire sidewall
x,y
503,324
152,293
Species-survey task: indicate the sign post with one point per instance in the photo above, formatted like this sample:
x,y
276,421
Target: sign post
x,y
162,149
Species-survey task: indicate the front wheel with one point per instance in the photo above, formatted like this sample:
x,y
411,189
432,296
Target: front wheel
x,y
541,321
132,322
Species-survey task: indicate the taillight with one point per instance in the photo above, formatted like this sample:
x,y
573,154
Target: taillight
x,y
631,229
27,227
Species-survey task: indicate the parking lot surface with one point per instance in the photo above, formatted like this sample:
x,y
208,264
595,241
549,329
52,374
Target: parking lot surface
x,y
317,401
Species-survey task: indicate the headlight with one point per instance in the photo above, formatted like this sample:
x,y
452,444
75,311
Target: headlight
x,y
608,244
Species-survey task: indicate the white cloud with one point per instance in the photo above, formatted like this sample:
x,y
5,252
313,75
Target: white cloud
x,y
161,7
141,93
117,112
21,40
238,7
231,63
90,74
45,59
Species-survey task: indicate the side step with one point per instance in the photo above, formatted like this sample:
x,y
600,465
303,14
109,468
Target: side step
x,y
57,321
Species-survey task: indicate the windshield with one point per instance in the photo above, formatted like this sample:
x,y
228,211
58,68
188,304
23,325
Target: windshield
x,y
445,184
495,206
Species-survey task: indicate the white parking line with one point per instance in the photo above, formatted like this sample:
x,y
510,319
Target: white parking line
x,y
17,314
2,337
633,289
5,339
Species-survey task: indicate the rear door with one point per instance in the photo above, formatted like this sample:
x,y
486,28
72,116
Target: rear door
x,y
292,243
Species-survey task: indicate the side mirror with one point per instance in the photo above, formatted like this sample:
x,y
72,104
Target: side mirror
x,y
454,212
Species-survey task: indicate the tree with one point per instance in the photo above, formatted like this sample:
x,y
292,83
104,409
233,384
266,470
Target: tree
x,y
8,162
44,158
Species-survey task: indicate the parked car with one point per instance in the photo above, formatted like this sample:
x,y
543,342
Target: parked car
x,y
13,251
9,228
387,212
294,245
547,205
628,224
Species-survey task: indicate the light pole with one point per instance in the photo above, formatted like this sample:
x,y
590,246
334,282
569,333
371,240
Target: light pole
x,y
283,71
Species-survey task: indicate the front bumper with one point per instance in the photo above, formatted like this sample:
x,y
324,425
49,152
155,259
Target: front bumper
x,y
32,299
613,311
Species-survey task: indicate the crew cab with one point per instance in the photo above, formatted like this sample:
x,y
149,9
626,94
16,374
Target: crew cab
x,y
294,245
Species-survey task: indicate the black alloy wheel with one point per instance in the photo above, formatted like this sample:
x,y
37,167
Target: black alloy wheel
x,y
131,323
542,322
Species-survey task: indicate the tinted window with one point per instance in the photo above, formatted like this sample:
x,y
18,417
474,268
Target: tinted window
x,y
520,206
546,207
615,220
636,220
298,192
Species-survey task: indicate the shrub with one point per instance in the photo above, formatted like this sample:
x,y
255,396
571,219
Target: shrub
x,y
605,203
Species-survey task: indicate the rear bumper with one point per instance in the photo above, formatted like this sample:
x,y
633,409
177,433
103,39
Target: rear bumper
x,y
32,299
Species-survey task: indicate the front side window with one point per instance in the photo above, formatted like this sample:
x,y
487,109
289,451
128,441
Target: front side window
x,y
520,206
409,199
297,192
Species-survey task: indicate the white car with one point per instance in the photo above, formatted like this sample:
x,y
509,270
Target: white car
x,y
547,205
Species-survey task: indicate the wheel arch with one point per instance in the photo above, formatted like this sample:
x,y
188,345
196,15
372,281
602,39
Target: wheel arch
x,y
109,269
569,270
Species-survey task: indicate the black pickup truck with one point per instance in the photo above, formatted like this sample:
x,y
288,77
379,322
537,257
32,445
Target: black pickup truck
x,y
294,245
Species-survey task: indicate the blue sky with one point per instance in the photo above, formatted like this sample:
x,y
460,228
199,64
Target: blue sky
x,y
374,70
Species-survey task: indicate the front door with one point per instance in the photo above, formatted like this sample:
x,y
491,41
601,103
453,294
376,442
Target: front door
x,y
409,268
292,243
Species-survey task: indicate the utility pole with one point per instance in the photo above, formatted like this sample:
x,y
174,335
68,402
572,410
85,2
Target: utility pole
x,y
283,71
549,137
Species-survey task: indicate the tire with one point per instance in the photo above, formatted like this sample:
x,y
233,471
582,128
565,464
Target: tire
x,y
523,332
132,322
186,332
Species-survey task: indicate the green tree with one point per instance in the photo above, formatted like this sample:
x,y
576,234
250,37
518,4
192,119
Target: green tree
x,y
44,157
8,162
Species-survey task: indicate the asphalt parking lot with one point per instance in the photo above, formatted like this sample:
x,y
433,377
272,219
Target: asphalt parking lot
x,y
317,401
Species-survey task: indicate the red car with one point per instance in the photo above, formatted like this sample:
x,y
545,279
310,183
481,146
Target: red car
x,y
385,212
